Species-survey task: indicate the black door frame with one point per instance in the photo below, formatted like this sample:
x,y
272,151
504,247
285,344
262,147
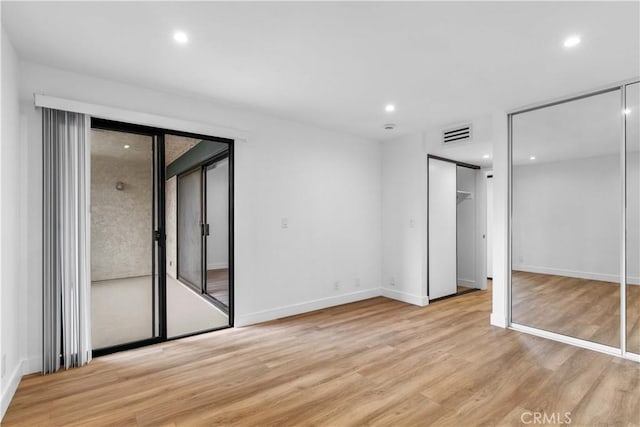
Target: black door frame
x,y
159,232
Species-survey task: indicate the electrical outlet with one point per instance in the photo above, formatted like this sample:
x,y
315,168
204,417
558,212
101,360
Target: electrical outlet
x,y
336,285
4,365
412,223
392,282
357,282
284,223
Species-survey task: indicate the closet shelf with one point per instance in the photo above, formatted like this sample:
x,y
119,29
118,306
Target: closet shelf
x,y
464,194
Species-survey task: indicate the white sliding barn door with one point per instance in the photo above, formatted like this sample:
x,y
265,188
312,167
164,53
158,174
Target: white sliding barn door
x,y
442,229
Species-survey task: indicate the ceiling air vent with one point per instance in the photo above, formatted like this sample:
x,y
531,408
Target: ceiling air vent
x,y
458,134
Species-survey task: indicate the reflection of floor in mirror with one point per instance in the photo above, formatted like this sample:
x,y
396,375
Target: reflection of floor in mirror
x,y
121,311
581,308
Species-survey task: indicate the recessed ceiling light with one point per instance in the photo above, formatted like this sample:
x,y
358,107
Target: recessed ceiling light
x,y
180,37
389,108
486,156
127,146
572,41
626,111
532,158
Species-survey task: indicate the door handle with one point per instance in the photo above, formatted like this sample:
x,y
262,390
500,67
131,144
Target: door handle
x,y
205,229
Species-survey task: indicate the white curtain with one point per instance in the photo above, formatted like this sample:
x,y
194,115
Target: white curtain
x,y
66,269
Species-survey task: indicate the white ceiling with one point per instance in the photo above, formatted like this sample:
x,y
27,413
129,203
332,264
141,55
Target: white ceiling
x,y
337,64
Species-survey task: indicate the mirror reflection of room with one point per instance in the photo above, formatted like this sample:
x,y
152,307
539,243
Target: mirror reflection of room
x,y
566,219
632,181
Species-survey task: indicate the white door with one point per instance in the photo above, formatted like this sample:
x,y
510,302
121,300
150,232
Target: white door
x,y
442,229
490,226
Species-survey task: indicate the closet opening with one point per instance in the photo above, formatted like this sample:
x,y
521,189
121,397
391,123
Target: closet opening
x,y
456,248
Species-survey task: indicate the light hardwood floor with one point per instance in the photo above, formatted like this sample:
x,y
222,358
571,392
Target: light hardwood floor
x,y
377,361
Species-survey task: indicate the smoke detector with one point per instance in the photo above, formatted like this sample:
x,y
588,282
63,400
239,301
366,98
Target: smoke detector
x,y
389,126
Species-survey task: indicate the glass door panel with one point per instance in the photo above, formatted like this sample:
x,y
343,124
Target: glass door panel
x,y
566,218
632,119
124,280
190,228
217,236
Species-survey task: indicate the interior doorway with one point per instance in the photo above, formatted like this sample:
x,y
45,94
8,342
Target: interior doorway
x,y
142,186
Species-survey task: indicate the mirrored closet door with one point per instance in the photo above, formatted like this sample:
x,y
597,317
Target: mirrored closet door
x,y
632,303
566,219
575,220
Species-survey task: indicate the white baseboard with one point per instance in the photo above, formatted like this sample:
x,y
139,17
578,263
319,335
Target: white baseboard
x,y
468,283
31,365
11,385
217,266
405,297
291,310
577,274
499,321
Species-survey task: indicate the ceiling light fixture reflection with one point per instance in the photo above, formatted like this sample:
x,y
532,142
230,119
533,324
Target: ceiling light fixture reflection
x,y
532,158
180,37
572,41
389,108
127,146
486,156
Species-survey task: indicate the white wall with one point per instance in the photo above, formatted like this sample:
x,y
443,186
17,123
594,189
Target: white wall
x,y
16,264
404,213
327,184
500,178
566,218
218,216
404,219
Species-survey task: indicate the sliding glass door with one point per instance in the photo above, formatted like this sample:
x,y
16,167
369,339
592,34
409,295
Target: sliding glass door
x,y
161,201
190,228
216,246
203,230
198,236
632,167
125,257
574,220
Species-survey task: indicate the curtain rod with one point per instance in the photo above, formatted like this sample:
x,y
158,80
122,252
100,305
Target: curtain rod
x,y
139,118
